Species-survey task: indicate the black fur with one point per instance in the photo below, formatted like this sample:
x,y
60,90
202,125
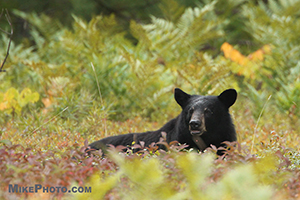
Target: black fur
x,y
207,116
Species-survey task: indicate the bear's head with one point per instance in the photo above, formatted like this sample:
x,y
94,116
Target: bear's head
x,y
206,114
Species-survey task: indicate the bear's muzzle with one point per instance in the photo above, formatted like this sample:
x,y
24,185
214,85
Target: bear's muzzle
x,y
197,124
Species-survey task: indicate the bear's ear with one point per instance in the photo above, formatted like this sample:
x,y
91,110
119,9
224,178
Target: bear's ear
x,y
228,97
181,97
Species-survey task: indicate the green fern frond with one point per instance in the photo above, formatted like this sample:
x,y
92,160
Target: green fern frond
x,y
46,26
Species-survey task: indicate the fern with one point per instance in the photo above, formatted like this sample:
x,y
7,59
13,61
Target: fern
x,y
46,26
278,25
196,26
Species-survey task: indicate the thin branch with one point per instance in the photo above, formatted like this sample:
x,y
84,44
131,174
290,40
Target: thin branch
x,y
101,99
10,36
54,117
255,129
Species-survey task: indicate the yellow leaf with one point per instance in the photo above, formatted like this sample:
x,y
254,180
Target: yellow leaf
x,y
47,102
248,65
27,96
35,97
259,54
3,106
233,54
10,94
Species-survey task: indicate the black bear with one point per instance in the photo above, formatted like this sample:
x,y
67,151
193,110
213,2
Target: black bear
x,y
204,120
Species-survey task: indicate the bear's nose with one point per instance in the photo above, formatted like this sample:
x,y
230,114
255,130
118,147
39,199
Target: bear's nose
x,y
195,124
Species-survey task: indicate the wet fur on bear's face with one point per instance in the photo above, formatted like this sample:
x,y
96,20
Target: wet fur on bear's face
x,y
205,113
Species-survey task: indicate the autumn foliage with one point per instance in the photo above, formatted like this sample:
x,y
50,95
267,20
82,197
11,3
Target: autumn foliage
x,y
67,86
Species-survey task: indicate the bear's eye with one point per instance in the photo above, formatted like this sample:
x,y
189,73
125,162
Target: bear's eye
x,y
208,111
191,110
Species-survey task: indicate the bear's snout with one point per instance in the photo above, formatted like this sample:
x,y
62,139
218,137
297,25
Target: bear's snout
x,y
196,127
197,124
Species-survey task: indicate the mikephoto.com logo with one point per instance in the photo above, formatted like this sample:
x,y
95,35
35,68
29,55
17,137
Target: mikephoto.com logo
x,y
15,188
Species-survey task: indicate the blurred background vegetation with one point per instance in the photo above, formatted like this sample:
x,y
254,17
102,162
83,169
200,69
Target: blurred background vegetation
x,y
81,70
124,10
123,59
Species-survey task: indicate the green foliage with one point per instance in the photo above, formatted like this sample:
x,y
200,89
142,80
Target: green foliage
x,y
154,178
160,60
278,25
12,101
233,185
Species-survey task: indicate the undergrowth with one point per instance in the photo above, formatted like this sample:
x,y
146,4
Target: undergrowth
x,y
90,81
